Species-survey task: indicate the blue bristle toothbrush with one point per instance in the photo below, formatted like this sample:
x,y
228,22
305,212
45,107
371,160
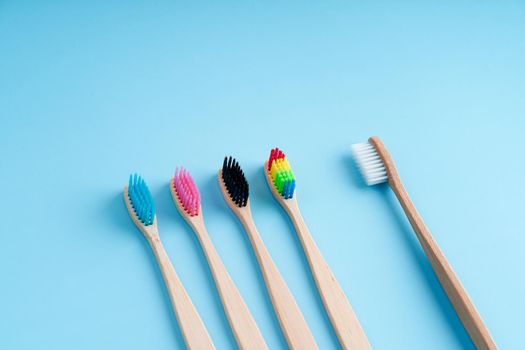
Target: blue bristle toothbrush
x,y
141,208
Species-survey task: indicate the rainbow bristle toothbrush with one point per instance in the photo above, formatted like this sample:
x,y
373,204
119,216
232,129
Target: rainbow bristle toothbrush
x,y
281,181
376,165
235,191
141,208
187,200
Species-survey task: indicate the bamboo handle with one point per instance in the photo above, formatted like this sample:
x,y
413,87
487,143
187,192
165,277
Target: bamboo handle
x,y
193,330
244,328
293,324
456,293
342,316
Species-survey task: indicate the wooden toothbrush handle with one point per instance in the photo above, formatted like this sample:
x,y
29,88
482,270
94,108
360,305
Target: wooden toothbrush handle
x,y
241,321
193,330
293,324
347,327
457,295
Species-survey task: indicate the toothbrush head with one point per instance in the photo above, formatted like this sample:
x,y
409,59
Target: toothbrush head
x,y
139,201
235,182
281,173
370,162
186,191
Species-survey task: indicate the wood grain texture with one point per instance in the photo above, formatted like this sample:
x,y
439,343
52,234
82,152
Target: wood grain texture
x,y
291,320
456,293
344,321
242,323
194,332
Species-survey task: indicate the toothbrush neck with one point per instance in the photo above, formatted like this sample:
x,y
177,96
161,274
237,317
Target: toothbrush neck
x,y
197,224
292,208
246,219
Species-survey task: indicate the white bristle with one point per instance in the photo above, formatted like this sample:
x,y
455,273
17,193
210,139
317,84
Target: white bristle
x,y
369,163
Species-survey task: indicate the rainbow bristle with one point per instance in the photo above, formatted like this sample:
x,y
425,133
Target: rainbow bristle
x,y
187,191
141,199
281,173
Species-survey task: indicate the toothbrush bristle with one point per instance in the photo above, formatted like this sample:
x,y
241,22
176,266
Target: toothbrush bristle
x,y
187,191
281,173
369,163
275,153
141,199
235,182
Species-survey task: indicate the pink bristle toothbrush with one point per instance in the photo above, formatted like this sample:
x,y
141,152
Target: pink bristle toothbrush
x,y
377,166
187,200
281,181
141,208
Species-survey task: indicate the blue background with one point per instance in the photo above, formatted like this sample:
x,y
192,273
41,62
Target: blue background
x,y
91,91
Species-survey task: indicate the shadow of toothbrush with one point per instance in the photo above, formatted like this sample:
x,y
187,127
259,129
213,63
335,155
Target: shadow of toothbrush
x,y
426,269
417,253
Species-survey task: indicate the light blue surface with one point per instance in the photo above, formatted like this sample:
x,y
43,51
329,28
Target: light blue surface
x,y
92,92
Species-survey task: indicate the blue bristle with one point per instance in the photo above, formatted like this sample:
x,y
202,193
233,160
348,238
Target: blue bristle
x,y
287,191
286,188
292,188
141,199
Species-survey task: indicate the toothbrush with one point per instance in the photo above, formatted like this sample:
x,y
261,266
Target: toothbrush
x,y
377,166
187,200
281,181
235,191
142,211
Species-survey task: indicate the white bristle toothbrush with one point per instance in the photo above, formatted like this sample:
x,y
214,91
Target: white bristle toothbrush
x,y
377,166
235,191
346,325
141,208
187,200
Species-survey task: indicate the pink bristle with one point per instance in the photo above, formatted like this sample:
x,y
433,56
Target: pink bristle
x,y
187,191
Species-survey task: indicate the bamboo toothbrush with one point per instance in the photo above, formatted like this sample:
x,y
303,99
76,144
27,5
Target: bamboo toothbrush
x,y
281,181
187,200
142,211
235,191
377,166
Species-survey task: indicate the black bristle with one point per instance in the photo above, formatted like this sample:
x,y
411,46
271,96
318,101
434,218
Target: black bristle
x,y
235,181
